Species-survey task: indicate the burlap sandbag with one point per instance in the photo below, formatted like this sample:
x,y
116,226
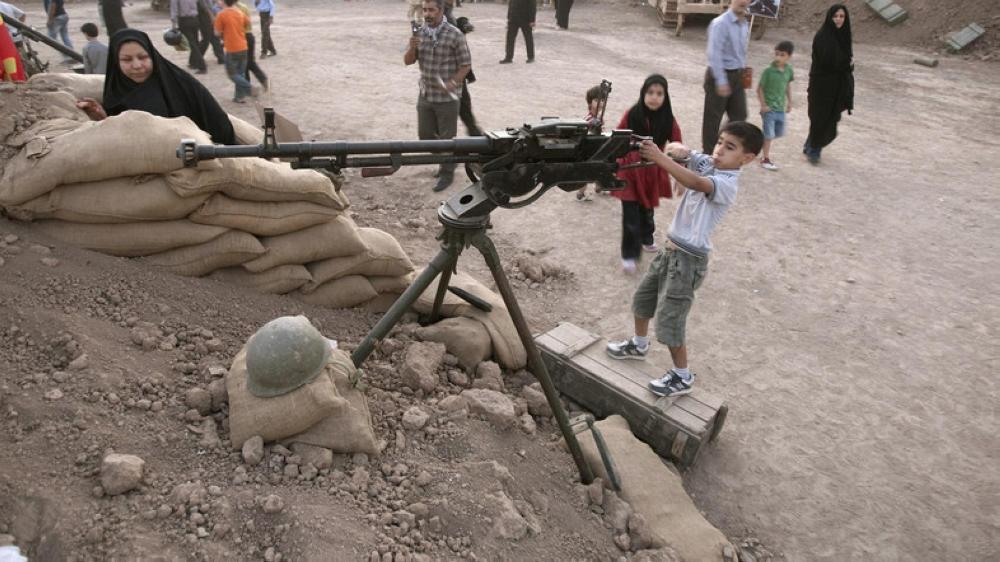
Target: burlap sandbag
x,y
140,198
281,416
672,517
395,285
341,293
256,179
78,85
48,130
384,257
232,248
336,237
246,133
263,218
130,239
276,281
507,346
380,304
350,429
130,144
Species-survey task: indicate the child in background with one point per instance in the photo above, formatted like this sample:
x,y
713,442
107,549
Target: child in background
x,y
95,53
651,116
774,91
595,107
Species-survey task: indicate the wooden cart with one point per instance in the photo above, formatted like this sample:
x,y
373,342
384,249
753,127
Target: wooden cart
x,y
672,12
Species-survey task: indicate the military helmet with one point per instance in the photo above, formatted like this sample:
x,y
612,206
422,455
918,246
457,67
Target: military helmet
x,y
283,355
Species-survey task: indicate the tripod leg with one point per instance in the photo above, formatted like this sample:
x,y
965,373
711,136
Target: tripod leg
x,y
443,259
443,286
535,363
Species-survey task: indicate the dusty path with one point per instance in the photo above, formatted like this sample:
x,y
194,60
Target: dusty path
x,y
848,317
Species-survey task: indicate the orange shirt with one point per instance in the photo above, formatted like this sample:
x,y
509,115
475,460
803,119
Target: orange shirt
x,y
231,22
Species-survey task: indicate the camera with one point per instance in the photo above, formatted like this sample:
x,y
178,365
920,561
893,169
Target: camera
x,y
415,26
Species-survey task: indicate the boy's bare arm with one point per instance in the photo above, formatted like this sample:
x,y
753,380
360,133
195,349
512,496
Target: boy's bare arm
x,y
760,97
689,179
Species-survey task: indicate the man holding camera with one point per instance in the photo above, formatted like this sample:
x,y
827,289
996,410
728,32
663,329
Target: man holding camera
x,y
444,60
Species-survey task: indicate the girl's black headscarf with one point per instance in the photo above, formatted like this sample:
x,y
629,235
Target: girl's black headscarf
x,y
832,47
168,92
658,124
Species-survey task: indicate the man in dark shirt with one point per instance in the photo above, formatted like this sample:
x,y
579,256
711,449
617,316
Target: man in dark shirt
x,y
520,16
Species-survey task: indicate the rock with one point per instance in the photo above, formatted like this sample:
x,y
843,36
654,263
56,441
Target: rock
x,y
623,542
54,394
538,405
528,424
458,378
39,249
465,338
508,522
253,450
80,363
217,390
319,457
496,407
414,418
50,262
665,554
488,376
616,511
121,473
639,533
292,470
209,434
199,399
420,365
273,504
532,268
308,472
424,478
452,403
595,492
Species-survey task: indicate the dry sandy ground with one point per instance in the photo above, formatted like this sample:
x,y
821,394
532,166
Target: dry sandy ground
x,y
847,319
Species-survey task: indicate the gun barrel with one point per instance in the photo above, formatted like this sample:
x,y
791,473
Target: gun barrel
x,y
306,150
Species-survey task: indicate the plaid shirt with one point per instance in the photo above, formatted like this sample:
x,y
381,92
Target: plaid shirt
x,y
440,55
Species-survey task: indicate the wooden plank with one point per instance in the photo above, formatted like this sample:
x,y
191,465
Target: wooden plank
x,y
707,398
878,5
961,38
696,408
686,420
894,14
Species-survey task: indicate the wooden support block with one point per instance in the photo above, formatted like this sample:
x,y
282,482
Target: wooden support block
x,y
960,39
888,10
676,428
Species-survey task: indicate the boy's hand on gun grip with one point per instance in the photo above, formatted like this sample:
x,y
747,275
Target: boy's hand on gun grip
x,y
650,152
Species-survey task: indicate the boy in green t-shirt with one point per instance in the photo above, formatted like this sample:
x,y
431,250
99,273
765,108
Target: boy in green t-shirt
x,y
774,91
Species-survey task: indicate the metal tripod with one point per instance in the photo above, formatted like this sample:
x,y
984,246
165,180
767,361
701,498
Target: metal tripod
x,y
459,233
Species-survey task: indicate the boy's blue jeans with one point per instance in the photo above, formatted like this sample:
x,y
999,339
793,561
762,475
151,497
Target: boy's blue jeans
x,y
59,26
236,68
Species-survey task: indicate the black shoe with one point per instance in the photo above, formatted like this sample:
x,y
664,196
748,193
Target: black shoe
x,y
531,60
506,61
444,182
201,71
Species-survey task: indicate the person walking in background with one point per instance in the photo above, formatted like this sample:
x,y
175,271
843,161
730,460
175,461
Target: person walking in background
x,y
444,61
252,66
520,17
95,53
206,23
266,10
184,15
651,116
727,57
111,13
831,80
465,104
229,25
57,22
562,13
774,92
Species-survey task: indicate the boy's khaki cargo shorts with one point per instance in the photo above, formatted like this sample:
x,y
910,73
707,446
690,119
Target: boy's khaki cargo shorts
x,y
667,291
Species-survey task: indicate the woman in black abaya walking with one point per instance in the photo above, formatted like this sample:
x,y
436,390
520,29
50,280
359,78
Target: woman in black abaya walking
x,y
831,80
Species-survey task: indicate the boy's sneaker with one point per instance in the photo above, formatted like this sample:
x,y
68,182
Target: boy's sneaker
x,y
768,165
671,384
626,350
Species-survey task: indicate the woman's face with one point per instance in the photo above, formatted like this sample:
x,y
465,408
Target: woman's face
x,y
838,18
654,97
135,62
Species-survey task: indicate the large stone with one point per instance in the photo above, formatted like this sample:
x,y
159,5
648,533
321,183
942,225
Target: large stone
x,y
465,338
508,522
121,473
538,405
253,450
616,511
452,403
320,457
488,376
415,418
199,399
220,396
496,407
639,532
420,365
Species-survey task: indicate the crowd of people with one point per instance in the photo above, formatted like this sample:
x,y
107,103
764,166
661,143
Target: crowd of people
x,y
138,77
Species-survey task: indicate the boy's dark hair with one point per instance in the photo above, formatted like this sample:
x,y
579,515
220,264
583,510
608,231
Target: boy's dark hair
x,y
785,47
750,135
593,94
89,29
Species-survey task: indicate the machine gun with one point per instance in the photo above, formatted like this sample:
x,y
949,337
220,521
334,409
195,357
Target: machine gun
x,y
510,169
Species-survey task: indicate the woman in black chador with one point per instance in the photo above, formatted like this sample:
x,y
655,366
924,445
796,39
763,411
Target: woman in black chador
x,y
831,80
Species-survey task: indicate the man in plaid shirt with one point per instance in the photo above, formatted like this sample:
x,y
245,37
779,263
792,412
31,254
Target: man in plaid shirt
x,y
444,59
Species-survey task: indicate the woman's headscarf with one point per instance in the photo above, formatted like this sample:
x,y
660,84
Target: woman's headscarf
x,y
833,46
168,92
658,124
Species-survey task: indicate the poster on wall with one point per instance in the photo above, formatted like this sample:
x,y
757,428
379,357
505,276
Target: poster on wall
x,y
765,8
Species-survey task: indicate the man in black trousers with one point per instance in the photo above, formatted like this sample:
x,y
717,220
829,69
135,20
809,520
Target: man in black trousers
x,y
520,17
